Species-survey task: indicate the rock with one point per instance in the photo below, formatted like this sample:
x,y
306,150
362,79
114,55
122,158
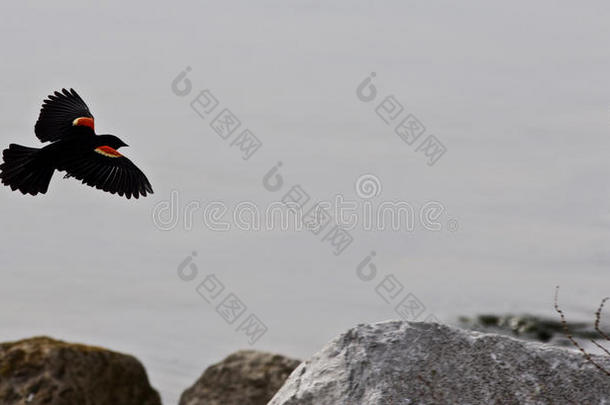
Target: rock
x,y
529,327
244,378
42,370
399,363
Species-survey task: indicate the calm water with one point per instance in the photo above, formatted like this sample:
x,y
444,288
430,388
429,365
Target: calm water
x,y
518,94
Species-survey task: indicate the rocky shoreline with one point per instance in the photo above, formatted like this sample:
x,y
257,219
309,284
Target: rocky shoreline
x,y
42,370
391,362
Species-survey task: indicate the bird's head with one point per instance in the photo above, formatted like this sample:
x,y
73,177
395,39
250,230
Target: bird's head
x,y
113,141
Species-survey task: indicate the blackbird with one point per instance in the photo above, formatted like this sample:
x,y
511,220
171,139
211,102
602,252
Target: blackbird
x,y
66,122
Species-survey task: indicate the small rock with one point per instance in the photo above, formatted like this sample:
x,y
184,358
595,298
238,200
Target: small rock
x,y
401,363
42,370
244,378
529,327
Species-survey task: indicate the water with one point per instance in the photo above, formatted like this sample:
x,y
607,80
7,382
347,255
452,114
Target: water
x,y
517,93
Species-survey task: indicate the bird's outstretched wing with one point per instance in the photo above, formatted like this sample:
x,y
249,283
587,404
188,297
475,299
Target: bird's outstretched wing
x,y
106,169
63,114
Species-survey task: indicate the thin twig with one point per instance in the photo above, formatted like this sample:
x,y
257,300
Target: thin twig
x,y
600,346
598,317
569,336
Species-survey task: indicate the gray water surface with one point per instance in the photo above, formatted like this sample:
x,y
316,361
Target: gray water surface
x,y
518,94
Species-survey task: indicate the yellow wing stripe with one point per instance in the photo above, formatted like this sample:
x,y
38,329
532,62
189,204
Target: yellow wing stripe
x,y
108,151
83,122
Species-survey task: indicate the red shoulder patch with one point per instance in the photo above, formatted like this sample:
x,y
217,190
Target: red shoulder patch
x,y
84,122
108,151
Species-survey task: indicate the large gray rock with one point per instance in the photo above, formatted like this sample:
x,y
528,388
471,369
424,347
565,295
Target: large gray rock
x,y
246,377
396,363
46,371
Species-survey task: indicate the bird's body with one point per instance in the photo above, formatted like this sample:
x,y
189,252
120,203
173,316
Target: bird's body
x,y
75,148
60,153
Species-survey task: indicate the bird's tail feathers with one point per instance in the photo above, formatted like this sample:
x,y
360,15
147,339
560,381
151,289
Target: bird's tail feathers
x,y
23,170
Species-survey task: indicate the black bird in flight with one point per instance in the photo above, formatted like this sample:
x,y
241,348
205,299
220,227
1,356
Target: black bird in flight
x,y
66,122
